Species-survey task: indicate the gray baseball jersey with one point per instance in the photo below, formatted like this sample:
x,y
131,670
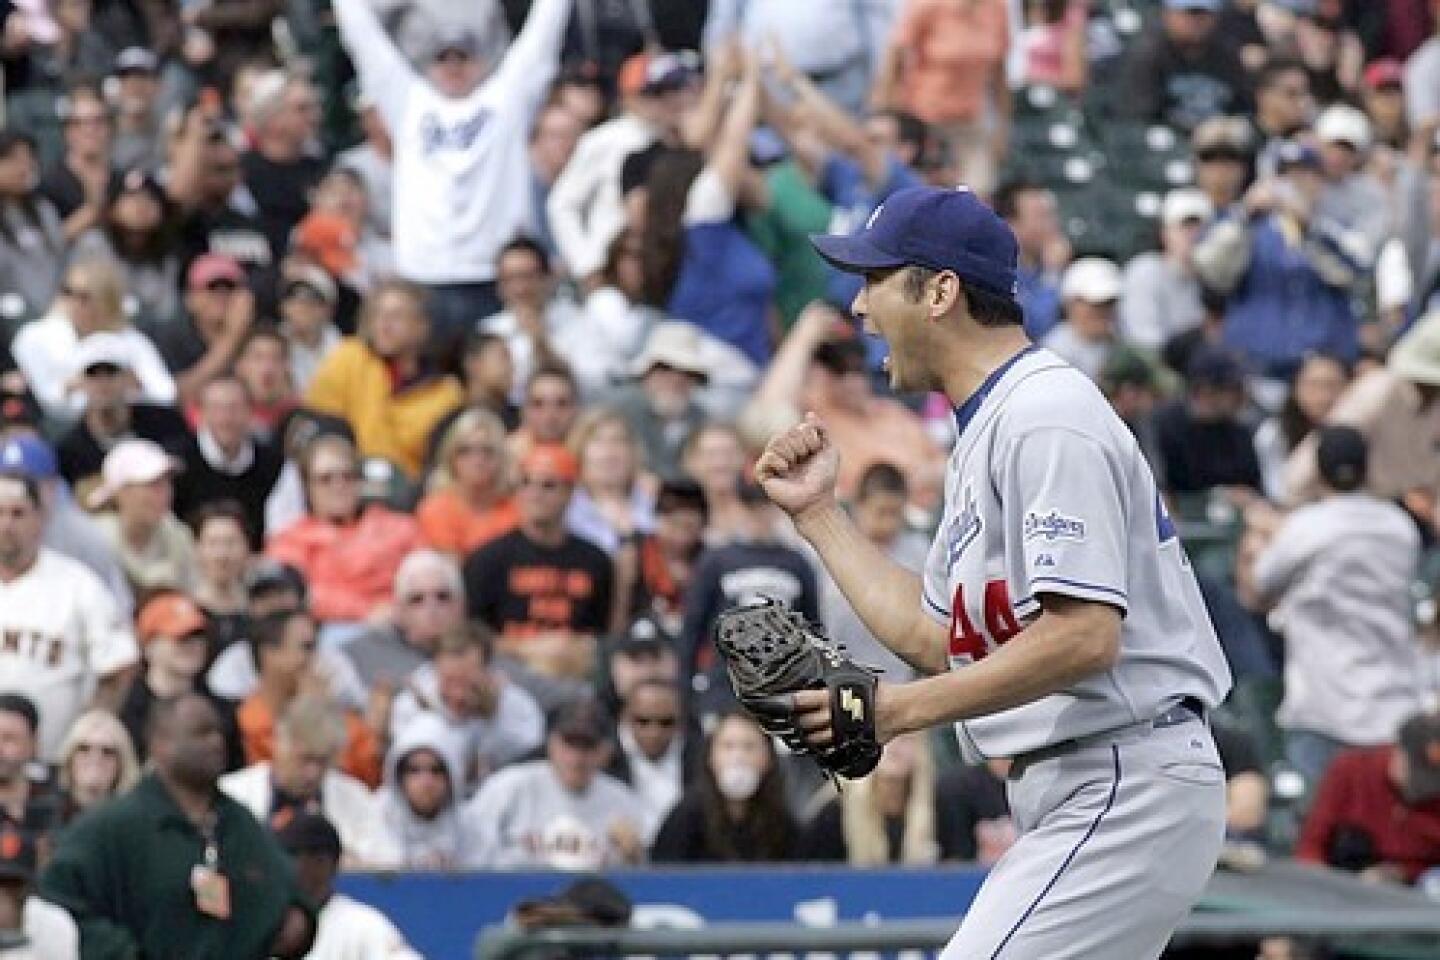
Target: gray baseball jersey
x,y
1048,492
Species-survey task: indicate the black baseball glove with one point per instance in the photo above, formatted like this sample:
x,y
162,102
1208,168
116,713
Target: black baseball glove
x,y
771,652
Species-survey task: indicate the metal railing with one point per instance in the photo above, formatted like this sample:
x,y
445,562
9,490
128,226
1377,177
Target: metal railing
x,y
502,943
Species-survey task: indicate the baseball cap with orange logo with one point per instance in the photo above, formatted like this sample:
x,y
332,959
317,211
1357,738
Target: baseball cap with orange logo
x,y
171,615
550,461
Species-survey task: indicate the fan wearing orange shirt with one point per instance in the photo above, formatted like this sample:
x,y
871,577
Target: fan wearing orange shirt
x,y
471,499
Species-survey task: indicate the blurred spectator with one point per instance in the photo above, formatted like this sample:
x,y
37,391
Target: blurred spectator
x,y
1054,44
420,823
756,564
382,383
1131,384
1312,395
540,324
879,511
32,244
660,406
973,823
1330,50
945,63
1351,197
1394,408
347,551
471,491
715,456
53,350
1181,71
123,872
262,363
589,901
78,648
1160,295
373,159
138,140
1422,79
31,805
136,229
77,184
68,529
283,112
1377,812
1086,333
644,652
735,809
666,556
1383,98
222,570
699,265
429,602
1419,217
496,721
585,205
155,549
174,641
346,927
110,416
1224,150
219,312
653,754
47,927
1284,107
307,319
547,592
488,372
284,645
1031,212
1288,272
612,506
339,236
97,761
550,407
462,183
888,817
840,51
303,778
1247,788
1339,573
224,461
241,30
560,812
1203,443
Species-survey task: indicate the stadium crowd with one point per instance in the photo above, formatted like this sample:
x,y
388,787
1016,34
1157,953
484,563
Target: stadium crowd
x,y
379,383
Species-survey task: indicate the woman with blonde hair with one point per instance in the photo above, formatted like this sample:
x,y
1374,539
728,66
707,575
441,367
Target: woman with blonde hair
x,y
471,492
91,303
886,818
613,503
97,761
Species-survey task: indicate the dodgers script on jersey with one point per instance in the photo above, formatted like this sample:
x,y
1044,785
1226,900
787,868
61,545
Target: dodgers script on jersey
x,y
1047,492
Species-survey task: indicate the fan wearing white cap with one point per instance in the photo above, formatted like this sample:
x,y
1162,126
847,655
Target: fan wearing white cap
x,y
1352,197
155,549
660,405
1089,294
1160,295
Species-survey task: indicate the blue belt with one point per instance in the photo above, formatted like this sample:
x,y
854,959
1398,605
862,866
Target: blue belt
x,y
1186,710
1189,708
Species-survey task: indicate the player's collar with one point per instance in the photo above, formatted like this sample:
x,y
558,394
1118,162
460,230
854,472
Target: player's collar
x,y
966,411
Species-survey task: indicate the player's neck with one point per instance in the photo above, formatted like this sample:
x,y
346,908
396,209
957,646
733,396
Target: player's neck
x,y
967,362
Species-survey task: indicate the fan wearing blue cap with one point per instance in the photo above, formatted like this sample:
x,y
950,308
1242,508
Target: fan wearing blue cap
x,y
1056,622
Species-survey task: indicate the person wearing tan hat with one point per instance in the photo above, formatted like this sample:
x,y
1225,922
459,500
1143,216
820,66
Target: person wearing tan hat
x,y
174,638
660,405
1394,406
1352,197
1224,151
1160,296
155,549
547,593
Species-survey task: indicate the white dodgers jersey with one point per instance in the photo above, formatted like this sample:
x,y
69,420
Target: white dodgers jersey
x,y
1047,492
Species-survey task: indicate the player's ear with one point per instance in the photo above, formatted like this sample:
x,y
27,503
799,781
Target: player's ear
x,y
944,294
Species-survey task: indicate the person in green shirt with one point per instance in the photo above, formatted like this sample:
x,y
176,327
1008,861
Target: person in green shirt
x,y
175,868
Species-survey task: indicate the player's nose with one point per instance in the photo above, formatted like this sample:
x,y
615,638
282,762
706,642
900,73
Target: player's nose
x,y
859,305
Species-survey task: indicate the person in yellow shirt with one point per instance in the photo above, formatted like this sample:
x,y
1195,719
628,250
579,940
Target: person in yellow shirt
x,y
381,383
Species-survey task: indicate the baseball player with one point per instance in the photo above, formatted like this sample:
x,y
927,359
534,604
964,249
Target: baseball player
x,y
1057,617
63,640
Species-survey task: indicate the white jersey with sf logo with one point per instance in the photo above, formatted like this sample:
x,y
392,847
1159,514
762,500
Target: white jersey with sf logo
x,y
1047,492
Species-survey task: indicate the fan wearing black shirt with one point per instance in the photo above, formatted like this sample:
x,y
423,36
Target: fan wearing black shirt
x,y
77,184
284,113
224,461
1184,71
110,417
546,592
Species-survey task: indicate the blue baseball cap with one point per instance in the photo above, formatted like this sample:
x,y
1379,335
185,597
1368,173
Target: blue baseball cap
x,y
931,227
30,457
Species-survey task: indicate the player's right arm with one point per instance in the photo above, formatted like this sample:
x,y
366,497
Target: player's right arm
x,y
798,470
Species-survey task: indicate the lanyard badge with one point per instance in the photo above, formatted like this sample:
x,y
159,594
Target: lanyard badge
x,y
211,888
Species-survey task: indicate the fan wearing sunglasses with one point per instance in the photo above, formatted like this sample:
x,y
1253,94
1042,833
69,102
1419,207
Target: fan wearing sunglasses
x,y
97,761
429,602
